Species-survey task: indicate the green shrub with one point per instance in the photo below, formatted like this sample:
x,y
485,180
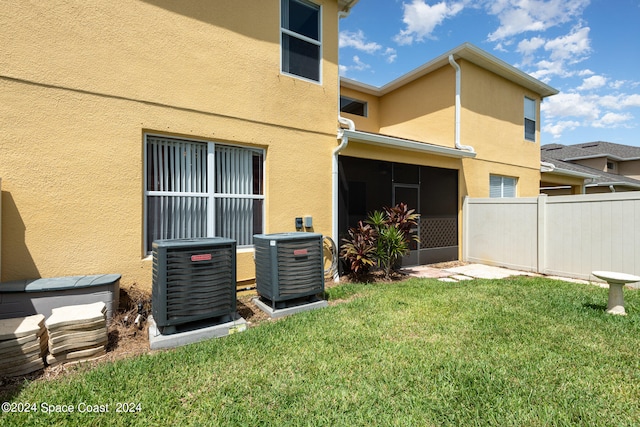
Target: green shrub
x,y
359,249
382,241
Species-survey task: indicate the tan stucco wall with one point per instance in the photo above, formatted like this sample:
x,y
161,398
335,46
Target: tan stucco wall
x,y
81,83
422,110
371,123
599,163
630,168
492,121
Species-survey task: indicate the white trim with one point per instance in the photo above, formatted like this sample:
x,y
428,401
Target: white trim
x,y
306,39
211,185
470,53
566,172
405,144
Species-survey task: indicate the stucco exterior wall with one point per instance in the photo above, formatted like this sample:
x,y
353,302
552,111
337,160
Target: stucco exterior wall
x,y
82,82
422,110
630,168
599,163
492,121
371,123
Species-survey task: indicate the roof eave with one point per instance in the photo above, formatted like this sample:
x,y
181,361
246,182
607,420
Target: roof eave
x,y
405,144
345,6
470,53
566,172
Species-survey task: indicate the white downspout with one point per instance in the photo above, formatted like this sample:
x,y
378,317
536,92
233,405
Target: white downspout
x,y
455,65
344,140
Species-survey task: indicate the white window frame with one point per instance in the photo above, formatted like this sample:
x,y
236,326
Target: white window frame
x,y
534,119
364,103
211,195
303,38
506,186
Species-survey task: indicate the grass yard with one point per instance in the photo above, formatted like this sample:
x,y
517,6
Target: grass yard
x,y
512,352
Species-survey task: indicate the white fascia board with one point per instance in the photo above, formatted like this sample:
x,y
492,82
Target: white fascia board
x,y
346,5
404,144
618,183
565,172
470,53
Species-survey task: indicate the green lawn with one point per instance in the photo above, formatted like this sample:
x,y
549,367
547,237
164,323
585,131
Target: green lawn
x,y
512,352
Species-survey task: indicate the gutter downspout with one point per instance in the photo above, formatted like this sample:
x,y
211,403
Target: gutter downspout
x,y
455,65
344,141
612,188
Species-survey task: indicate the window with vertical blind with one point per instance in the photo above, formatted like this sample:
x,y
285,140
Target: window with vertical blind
x,y
202,189
502,186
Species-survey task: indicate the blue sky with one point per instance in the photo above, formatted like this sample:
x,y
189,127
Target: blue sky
x,y
587,49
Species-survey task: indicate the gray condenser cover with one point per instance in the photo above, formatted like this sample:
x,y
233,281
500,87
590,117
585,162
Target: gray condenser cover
x,y
289,265
193,279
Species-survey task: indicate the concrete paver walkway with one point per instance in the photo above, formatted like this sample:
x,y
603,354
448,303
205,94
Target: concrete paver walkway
x,y
476,271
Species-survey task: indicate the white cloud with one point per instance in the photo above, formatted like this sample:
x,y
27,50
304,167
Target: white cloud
x,y
390,55
527,47
421,19
567,111
357,40
593,82
571,105
520,16
612,120
558,128
357,65
572,47
565,50
617,84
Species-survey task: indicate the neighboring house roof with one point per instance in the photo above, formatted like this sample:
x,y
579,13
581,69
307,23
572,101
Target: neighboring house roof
x,y
561,157
470,53
613,151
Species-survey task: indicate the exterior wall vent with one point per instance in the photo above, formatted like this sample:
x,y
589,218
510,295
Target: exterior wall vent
x,y
193,280
289,266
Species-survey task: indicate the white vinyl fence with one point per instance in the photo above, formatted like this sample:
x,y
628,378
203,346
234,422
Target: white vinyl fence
x,y
567,236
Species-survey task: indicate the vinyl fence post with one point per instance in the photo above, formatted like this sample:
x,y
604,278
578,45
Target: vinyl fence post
x,y
465,228
542,225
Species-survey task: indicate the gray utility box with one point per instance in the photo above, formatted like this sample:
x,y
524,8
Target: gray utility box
x,y
193,280
289,265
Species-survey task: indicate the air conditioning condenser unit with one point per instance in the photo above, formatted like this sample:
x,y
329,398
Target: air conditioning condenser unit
x,y
288,266
193,280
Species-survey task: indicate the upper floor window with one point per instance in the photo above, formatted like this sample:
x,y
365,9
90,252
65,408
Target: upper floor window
x,y
502,186
353,106
301,39
529,119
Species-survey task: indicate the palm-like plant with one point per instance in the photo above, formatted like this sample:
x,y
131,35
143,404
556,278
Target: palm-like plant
x,y
359,249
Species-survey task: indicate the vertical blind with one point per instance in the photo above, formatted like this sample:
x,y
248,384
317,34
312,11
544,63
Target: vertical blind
x,y
198,189
502,186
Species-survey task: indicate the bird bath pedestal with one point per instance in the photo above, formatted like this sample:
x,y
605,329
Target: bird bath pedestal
x,y
616,282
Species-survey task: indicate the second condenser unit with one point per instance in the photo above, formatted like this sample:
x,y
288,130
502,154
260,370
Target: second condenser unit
x,y
289,266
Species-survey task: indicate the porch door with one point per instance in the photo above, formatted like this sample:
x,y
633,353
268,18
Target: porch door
x,y
409,194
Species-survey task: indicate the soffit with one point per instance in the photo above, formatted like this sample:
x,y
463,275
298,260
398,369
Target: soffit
x,y
405,144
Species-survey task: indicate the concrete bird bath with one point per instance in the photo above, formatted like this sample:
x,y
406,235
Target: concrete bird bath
x,y
616,282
